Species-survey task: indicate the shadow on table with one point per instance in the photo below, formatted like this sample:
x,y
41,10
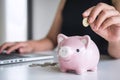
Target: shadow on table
x,y
106,57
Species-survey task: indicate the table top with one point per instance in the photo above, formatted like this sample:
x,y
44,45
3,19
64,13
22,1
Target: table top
x,y
108,69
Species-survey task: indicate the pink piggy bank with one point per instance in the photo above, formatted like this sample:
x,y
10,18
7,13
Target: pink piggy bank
x,y
77,53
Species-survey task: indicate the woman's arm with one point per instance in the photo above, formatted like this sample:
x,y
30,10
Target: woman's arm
x,y
116,3
114,47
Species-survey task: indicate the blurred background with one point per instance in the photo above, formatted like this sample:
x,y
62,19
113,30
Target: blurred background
x,y
22,20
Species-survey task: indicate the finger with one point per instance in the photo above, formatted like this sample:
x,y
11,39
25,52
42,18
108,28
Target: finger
x,y
110,21
97,10
87,12
24,50
15,47
5,46
104,15
92,25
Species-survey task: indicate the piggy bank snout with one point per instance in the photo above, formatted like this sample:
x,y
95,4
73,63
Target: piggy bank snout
x,y
65,52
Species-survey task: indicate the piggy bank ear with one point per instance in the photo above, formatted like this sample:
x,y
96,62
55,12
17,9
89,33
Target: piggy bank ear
x,y
85,40
61,37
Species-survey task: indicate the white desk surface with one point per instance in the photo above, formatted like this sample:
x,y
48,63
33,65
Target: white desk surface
x,y
108,69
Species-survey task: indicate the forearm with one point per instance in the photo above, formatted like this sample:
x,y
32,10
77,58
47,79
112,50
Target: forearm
x,y
42,45
114,49
116,4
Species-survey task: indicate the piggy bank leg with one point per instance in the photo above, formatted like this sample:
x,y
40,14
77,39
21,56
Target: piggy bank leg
x,y
80,71
94,69
62,69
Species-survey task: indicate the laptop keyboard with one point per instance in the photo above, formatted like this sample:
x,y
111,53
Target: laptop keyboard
x,y
4,56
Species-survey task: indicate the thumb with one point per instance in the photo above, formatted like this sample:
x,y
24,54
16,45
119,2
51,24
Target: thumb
x,y
23,50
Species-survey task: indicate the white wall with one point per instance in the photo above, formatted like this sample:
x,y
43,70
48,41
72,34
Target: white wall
x,y
13,20
16,20
43,15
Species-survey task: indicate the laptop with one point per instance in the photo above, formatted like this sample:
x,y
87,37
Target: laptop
x,y
15,57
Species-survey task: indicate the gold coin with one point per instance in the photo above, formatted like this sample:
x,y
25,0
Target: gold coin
x,y
85,22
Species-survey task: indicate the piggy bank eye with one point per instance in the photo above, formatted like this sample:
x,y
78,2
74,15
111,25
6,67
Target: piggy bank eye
x,y
77,50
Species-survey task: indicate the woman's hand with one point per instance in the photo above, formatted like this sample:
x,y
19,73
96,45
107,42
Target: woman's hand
x,y
105,21
22,47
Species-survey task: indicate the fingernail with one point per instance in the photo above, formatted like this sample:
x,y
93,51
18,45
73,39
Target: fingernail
x,y
85,14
